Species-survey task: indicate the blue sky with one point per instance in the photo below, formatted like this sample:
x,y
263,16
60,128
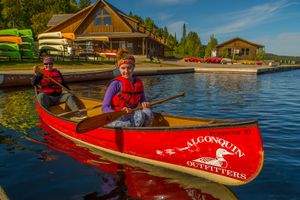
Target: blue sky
x,y
272,23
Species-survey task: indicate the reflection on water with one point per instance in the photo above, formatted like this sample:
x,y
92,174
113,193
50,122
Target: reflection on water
x,y
17,109
127,179
33,164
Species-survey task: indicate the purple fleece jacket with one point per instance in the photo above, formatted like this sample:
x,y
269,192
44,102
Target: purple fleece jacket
x,y
112,90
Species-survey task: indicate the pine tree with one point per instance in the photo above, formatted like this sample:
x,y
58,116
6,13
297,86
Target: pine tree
x,y
210,46
165,33
149,24
84,3
193,45
183,33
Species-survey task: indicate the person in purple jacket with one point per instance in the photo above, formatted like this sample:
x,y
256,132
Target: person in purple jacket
x,y
126,92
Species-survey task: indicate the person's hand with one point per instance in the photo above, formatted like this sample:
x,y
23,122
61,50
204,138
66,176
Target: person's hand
x,y
35,69
146,104
127,110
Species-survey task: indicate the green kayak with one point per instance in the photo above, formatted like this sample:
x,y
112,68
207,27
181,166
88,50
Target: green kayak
x,y
11,54
25,32
12,31
9,47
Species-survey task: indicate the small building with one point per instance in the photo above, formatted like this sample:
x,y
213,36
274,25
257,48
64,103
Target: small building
x,y
104,28
238,47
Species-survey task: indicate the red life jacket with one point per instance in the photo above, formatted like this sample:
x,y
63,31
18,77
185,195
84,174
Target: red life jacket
x,y
130,94
48,86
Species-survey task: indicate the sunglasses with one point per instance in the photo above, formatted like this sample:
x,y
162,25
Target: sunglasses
x,y
48,63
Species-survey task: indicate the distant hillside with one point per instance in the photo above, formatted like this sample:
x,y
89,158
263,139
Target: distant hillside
x,y
283,59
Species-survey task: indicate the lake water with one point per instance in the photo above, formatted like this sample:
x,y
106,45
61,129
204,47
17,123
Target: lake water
x,y
38,164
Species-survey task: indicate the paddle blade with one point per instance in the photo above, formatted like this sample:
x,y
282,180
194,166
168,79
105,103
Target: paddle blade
x,y
97,121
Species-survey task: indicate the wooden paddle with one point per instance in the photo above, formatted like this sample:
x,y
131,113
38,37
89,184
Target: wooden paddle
x,y
67,114
94,122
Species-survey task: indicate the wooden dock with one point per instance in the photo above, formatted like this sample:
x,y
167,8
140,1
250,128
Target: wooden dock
x,y
23,78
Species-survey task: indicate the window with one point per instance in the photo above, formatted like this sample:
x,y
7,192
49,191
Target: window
x,y
243,51
229,53
98,22
107,21
105,12
103,18
247,51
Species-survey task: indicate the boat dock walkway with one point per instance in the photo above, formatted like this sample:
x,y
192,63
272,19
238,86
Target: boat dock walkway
x,y
22,77
236,68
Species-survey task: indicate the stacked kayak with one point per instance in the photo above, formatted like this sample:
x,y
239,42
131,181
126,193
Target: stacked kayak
x,y
27,49
16,44
9,43
9,32
55,43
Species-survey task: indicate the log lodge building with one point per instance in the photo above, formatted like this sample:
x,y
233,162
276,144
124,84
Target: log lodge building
x,y
104,28
238,47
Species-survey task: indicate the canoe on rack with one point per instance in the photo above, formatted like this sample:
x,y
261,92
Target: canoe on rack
x,y
28,39
53,47
11,54
25,46
55,41
10,39
68,35
9,47
224,151
50,35
26,32
28,54
9,32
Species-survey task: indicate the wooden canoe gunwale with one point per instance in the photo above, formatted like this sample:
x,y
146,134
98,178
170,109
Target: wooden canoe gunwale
x,y
203,127
228,124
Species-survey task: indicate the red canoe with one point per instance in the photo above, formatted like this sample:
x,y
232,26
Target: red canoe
x,y
225,151
154,183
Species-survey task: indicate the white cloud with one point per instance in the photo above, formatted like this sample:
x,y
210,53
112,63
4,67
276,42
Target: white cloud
x,y
283,44
249,18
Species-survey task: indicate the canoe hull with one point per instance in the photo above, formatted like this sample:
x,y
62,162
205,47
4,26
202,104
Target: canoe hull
x,y
50,35
164,183
53,47
26,32
9,32
68,35
11,39
55,41
11,54
191,150
9,47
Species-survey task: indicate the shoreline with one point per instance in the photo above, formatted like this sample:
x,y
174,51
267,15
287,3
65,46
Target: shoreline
x,y
166,65
78,73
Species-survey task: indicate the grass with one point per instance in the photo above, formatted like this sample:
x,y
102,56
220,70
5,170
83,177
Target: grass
x,y
67,64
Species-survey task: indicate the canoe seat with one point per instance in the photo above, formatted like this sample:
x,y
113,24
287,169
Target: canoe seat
x,y
58,109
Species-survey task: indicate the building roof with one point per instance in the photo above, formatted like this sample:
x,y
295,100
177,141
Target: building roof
x,y
135,29
57,19
238,38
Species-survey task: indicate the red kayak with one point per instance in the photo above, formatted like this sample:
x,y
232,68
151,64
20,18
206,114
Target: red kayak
x,y
225,151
